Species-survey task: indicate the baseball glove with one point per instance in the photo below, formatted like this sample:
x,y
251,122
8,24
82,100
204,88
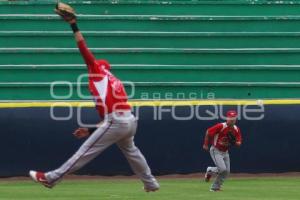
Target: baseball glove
x,y
65,11
231,138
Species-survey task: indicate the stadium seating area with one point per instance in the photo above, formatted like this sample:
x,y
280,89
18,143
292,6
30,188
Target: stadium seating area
x,y
169,49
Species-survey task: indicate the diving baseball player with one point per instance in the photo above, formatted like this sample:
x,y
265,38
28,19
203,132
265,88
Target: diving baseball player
x,y
221,137
119,124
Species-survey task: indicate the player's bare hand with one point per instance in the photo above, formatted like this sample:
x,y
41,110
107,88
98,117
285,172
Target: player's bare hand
x,y
238,144
81,133
205,147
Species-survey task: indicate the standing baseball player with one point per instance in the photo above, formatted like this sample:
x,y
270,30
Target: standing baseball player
x,y
221,137
119,124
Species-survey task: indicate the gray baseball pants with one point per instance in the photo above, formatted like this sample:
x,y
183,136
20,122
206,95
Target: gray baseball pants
x,y
222,169
116,128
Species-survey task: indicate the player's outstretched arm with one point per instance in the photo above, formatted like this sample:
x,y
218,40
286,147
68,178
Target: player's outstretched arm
x,y
67,13
85,52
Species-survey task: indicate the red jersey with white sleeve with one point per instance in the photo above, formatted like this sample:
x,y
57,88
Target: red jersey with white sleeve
x,y
107,90
219,133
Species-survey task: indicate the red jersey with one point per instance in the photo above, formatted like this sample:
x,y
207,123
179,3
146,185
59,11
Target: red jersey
x,y
107,90
219,133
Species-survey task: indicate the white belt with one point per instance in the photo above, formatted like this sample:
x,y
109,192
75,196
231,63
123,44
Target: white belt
x,y
126,114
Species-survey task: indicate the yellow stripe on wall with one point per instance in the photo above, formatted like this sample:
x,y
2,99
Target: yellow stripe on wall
x,y
152,103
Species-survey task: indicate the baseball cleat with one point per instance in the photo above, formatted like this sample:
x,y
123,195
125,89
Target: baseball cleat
x,y
153,187
40,177
208,175
215,190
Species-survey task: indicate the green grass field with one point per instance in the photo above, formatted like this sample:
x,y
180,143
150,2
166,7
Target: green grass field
x,y
175,189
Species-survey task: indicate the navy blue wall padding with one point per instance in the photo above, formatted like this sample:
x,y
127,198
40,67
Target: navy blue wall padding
x,y
30,139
